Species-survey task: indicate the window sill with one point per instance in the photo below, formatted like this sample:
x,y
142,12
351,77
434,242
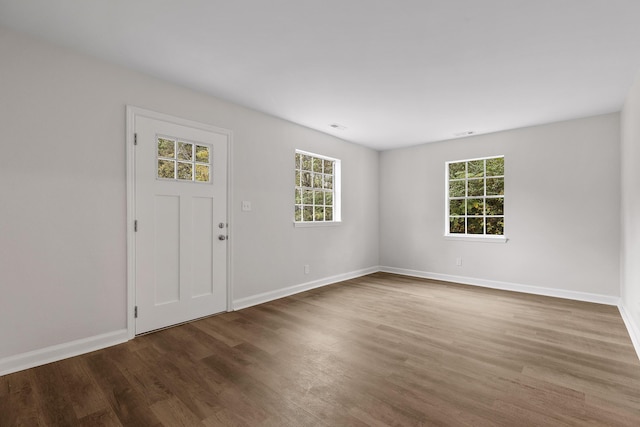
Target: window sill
x,y
484,239
316,224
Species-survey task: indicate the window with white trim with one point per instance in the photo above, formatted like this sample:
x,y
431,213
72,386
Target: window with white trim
x,y
475,197
183,161
317,189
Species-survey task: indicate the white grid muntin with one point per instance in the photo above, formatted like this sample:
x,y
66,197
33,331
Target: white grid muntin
x,y
193,162
466,197
335,192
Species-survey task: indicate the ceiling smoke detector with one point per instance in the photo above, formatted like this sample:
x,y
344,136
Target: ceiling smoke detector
x,y
337,126
465,133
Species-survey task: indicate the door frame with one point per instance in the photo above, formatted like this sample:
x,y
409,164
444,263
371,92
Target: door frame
x,y
131,113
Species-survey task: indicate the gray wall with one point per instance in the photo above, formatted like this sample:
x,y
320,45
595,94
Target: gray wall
x,y
630,248
562,200
63,194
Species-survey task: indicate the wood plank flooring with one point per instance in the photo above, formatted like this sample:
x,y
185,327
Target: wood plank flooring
x,y
380,350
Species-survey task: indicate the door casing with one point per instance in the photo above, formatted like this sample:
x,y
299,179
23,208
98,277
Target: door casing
x,y
131,113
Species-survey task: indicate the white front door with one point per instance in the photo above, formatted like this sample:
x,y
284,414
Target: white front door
x,y
181,223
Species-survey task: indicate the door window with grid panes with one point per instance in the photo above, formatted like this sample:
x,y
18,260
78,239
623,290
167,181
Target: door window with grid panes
x,y
475,197
317,188
183,161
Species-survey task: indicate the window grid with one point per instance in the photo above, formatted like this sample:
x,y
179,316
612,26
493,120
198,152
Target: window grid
x,y
475,197
183,161
315,188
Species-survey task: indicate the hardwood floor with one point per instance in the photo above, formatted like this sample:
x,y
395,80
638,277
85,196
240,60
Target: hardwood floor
x,y
378,350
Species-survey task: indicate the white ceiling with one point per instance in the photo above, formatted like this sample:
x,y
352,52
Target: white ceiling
x,y
394,73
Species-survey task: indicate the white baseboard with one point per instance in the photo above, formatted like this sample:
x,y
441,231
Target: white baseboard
x,y
527,289
285,292
54,353
632,328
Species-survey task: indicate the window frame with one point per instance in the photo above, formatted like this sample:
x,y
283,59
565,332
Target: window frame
x,y
492,238
336,192
177,161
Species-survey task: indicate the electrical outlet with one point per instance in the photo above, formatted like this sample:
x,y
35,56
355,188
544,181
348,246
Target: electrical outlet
x,y
306,269
246,206
459,261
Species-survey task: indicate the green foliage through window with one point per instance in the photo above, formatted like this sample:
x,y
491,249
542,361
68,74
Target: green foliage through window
x,y
315,192
184,161
475,197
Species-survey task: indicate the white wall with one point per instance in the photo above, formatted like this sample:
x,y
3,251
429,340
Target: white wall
x,y
561,203
63,195
630,247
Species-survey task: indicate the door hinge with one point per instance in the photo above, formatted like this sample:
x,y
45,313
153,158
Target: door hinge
x,y
135,312
135,139
135,226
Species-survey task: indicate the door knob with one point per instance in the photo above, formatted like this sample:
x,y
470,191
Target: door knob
x,y
222,237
